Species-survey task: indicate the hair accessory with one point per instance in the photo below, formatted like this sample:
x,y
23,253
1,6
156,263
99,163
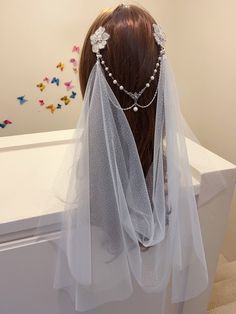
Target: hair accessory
x,y
159,35
99,41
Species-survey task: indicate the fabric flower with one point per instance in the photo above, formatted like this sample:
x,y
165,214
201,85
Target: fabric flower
x,y
99,39
159,35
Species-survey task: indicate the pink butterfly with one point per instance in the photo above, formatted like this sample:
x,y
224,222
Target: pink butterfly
x,y
76,49
68,85
41,102
46,79
73,61
7,122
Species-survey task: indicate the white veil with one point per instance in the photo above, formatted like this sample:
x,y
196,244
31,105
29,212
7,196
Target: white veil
x,y
110,207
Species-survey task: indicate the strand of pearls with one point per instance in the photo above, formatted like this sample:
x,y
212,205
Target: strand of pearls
x,y
135,95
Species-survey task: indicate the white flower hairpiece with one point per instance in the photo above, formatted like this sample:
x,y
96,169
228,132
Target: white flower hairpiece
x,y
99,39
159,35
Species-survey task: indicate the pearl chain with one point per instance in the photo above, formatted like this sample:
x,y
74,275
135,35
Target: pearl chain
x,y
135,95
143,106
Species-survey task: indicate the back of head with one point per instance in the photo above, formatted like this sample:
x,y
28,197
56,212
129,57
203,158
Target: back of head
x,y
131,54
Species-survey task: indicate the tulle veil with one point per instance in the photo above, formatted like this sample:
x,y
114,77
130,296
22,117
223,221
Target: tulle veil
x,y
107,206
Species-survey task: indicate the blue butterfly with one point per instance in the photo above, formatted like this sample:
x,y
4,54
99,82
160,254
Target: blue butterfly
x,y
22,100
73,94
55,80
2,125
58,106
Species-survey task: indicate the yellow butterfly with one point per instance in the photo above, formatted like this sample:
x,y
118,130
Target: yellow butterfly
x,y
60,66
65,99
51,107
41,86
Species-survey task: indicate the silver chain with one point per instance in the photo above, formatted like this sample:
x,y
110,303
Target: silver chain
x,y
135,96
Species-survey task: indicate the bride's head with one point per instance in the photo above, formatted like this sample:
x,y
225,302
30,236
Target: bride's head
x,y
131,54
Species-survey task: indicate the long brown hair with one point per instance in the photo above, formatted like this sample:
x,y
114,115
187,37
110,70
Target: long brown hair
x,y
131,54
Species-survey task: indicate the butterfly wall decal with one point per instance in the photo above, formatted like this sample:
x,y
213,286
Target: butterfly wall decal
x,y
76,49
46,79
73,94
41,102
73,61
65,99
68,85
75,65
55,80
41,86
61,66
51,107
5,122
21,99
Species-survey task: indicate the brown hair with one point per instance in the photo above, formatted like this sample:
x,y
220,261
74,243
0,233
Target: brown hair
x,y
131,54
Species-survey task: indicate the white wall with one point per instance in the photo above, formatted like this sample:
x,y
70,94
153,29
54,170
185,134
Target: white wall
x,y
202,48
35,36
